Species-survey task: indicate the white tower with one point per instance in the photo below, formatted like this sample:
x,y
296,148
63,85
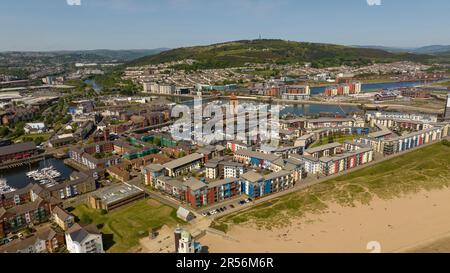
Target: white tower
x,y
186,244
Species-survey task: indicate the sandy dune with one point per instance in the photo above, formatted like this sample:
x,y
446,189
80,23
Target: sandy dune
x,y
410,222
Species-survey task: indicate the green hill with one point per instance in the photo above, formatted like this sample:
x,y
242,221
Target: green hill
x,y
238,53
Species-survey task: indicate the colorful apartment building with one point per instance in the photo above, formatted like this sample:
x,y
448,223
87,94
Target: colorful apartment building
x,y
296,92
200,194
255,159
324,150
256,185
335,157
235,146
344,89
390,144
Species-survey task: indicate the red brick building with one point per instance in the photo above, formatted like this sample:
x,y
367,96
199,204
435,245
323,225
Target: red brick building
x,y
17,151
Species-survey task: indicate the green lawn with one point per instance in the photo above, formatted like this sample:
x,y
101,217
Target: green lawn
x,y
445,84
424,169
340,139
32,137
122,228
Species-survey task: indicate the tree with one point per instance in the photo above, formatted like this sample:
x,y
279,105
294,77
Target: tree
x,y
39,140
4,131
157,141
330,139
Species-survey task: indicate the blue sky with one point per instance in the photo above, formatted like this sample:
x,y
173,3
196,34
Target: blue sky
x,y
138,24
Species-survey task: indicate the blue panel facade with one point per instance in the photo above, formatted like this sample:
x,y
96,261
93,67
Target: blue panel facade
x,y
267,187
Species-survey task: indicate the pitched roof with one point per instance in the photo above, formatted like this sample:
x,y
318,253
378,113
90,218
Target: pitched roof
x,y
78,233
249,153
17,148
21,209
2,211
183,213
323,147
61,214
183,161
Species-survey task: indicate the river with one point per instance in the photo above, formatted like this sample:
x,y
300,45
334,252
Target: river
x,y
18,179
97,88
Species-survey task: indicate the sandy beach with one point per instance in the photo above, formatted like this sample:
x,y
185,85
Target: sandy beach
x,y
418,222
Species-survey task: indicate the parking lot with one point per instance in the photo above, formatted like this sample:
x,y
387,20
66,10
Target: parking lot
x,y
223,207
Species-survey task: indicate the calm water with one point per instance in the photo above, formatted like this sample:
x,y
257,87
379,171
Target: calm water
x,y
311,109
17,177
97,88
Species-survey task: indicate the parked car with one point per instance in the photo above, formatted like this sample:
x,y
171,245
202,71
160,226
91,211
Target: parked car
x,y
232,206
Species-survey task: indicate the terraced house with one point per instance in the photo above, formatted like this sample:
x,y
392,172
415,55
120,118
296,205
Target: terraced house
x,y
17,217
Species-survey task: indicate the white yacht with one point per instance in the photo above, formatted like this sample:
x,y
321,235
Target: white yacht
x,y
4,187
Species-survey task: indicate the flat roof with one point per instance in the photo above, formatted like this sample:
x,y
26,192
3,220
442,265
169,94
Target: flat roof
x,y
221,182
252,176
194,184
117,192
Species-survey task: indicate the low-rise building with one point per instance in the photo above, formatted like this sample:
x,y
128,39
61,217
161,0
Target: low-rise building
x,y
184,165
35,128
45,240
115,196
17,151
84,239
256,185
62,218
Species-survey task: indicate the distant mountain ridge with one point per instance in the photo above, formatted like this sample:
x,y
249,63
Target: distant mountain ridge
x,y
103,55
237,53
431,49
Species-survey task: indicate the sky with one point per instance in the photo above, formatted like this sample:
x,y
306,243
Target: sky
x,y
46,25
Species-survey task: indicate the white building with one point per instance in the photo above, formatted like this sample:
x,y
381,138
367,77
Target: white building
x,y
232,169
35,128
186,243
85,239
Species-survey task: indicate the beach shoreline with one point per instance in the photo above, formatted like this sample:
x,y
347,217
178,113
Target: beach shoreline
x,y
411,223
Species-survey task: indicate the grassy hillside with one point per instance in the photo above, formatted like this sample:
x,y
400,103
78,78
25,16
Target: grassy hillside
x,y
275,51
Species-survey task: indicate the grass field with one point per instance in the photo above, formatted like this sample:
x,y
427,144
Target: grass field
x,y
32,137
424,169
340,139
122,228
445,84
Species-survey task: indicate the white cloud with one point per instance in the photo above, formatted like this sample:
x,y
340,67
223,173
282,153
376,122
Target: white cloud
x,y
73,2
374,2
